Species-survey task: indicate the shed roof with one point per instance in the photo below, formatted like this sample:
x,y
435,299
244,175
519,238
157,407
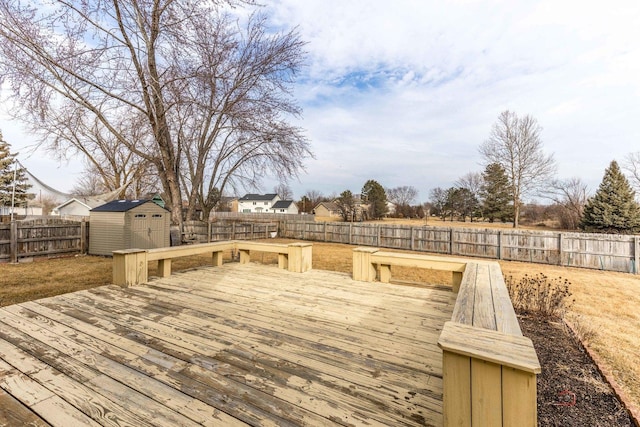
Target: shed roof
x,y
120,205
269,196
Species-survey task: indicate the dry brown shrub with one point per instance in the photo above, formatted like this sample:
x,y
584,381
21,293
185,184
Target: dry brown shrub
x,y
540,296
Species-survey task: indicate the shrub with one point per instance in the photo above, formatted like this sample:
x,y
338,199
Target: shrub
x,y
540,296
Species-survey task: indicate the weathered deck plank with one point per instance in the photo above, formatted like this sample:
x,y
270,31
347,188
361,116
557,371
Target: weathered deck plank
x,y
232,345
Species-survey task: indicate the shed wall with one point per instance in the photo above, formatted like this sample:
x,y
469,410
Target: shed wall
x,y
106,232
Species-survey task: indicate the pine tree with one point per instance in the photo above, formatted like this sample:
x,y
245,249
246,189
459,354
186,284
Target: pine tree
x,y
496,197
7,169
374,195
613,208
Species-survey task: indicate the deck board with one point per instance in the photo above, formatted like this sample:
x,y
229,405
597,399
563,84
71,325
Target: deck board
x,y
231,345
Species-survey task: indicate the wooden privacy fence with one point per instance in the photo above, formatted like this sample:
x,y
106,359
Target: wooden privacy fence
x,y
44,237
265,217
587,250
201,232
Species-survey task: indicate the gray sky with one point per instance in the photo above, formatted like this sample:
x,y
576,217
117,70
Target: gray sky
x,y
404,91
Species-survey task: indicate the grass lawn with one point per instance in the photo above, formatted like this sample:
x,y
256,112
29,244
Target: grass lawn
x,y
606,308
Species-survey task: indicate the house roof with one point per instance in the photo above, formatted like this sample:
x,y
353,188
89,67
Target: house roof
x,y
85,201
264,197
120,205
282,204
330,206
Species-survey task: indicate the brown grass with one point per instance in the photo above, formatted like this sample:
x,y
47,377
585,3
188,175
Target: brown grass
x,y
606,307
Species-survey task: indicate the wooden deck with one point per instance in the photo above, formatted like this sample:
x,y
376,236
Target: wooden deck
x,y
225,346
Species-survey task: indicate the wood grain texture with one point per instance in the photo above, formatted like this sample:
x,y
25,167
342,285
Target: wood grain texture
x,y
492,346
227,346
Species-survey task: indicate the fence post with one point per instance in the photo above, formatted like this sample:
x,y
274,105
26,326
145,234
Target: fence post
x,y
350,232
451,241
412,244
636,254
324,231
499,244
233,231
13,246
560,243
83,237
378,235
209,232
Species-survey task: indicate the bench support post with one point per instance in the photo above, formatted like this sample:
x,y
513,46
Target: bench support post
x,y
245,256
216,258
283,261
363,269
299,258
130,267
456,280
164,267
488,377
385,273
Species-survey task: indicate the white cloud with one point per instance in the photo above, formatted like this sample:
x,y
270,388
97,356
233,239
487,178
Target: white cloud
x,y
413,87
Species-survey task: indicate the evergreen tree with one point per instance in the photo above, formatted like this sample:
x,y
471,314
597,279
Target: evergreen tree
x,y
346,204
7,169
496,197
373,194
613,208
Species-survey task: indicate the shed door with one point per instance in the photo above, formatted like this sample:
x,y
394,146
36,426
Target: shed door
x,y
148,231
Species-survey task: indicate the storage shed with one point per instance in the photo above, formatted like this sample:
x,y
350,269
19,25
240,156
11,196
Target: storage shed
x,y
128,224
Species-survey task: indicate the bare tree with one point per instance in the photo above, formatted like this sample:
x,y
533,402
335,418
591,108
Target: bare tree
x,y
205,92
315,197
631,164
571,196
438,198
515,144
472,182
283,191
71,131
405,195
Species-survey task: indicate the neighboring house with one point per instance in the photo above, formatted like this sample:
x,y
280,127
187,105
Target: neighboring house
x,y
257,203
285,207
326,209
228,204
77,206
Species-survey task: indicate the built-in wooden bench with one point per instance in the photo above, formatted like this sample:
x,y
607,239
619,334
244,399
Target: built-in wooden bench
x,y
489,368
372,263
130,265
484,352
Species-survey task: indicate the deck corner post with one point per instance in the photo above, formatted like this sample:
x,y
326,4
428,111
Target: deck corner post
x,y
363,269
300,257
130,267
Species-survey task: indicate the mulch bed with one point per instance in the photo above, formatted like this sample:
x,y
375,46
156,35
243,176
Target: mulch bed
x,y
571,390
